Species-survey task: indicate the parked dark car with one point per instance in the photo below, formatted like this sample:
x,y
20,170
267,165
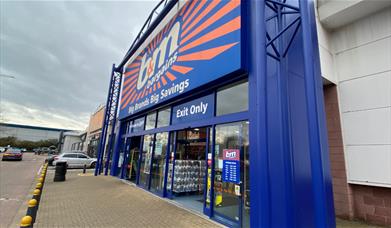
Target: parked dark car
x,y
50,159
12,154
44,150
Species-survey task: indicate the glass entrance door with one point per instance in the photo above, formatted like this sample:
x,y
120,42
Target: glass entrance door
x,y
159,163
133,159
230,169
189,168
146,159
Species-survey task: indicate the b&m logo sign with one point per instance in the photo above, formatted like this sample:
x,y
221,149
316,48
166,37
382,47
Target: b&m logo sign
x,y
201,43
231,154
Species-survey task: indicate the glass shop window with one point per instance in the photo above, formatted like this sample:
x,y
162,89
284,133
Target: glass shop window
x,y
129,126
163,118
233,98
137,125
151,121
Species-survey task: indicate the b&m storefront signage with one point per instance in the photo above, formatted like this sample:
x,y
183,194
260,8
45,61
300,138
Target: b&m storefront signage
x,y
198,109
201,43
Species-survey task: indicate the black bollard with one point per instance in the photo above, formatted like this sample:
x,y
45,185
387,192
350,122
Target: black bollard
x,y
61,170
84,168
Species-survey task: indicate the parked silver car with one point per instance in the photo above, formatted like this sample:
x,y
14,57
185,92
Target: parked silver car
x,y
75,160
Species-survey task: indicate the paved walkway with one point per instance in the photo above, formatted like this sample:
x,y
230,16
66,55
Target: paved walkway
x,y
104,201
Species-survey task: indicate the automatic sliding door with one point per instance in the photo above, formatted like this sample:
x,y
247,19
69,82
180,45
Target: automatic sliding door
x,y
134,155
159,163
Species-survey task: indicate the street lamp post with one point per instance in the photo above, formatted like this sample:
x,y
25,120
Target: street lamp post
x,y
1,84
7,76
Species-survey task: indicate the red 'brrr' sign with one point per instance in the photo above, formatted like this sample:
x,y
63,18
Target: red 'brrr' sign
x,y
231,154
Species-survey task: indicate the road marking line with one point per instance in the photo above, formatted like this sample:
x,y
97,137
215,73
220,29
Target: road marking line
x,y
39,171
85,174
9,199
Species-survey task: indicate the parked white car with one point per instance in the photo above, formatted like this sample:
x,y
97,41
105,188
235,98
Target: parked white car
x,y
75,160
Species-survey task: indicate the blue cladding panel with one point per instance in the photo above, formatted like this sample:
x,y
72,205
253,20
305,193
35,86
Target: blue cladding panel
x,y
293,190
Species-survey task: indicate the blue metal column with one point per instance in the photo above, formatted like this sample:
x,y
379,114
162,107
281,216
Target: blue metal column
x,y
110,117
289,165
322,184
116,85
105,123
259,187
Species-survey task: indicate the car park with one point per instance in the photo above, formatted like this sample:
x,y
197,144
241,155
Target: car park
x,y
44,150
2,149
52,150
12,154
50,159
75,160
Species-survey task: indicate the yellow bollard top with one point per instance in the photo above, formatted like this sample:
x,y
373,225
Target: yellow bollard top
x,y
33,203
36,192
39,185
26,221
40,179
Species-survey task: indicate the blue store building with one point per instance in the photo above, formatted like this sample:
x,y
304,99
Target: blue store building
x,y
218,105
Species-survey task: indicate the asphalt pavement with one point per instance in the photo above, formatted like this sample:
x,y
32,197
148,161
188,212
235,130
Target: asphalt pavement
x,y
16,179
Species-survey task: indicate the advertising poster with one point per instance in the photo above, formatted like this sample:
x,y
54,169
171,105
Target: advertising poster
x,y
158,148
147,164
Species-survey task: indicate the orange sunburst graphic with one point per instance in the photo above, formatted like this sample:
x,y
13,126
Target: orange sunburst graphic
x,y
198,21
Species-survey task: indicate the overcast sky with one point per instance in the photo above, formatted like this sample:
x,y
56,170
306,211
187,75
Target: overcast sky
x,y
61,54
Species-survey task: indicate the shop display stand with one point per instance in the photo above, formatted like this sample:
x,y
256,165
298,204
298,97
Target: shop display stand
x,y
188,176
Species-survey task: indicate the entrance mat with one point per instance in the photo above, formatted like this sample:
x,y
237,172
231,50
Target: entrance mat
x,y
228,201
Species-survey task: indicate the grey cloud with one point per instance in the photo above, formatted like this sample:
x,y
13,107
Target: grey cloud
x,y
61,54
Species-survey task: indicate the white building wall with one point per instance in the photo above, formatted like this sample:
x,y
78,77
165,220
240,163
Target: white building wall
x,y
68,141
28,134
358,59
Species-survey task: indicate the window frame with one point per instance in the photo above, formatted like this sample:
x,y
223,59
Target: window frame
x,y
169,116
225,88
